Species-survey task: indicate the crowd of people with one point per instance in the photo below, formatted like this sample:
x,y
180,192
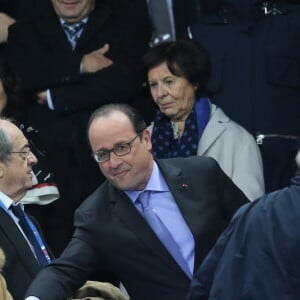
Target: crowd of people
x,y
147,153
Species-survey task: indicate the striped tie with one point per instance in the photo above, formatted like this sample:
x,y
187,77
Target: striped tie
x,y
72,30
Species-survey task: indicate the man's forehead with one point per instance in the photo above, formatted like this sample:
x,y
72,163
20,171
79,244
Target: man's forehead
x,y
12,130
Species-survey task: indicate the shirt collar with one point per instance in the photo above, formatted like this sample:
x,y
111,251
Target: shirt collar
x,y
84,20
156,183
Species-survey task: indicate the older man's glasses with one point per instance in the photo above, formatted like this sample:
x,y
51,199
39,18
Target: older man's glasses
x,y
119,150
24,153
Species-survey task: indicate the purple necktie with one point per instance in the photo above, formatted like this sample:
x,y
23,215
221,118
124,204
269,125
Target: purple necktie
x,y
161,230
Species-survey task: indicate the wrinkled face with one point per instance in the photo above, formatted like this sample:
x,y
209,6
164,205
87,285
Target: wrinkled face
x,y
16,174
131,171
174,95
73,10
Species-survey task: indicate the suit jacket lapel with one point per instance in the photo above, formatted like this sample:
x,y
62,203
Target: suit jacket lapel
x,y
53,33
98,17
213,130
184,193
131,217
17,239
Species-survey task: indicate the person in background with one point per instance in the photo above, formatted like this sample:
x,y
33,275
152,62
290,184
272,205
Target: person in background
x,y
44,190
10,11
188,124
150,224
257,256
84,55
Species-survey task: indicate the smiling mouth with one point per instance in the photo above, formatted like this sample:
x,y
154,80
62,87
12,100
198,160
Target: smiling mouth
x,y
120,173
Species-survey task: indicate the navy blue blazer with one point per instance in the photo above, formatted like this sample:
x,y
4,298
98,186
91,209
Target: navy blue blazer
x,y
257,257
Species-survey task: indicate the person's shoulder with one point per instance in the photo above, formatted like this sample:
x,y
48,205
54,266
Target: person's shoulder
x,y
233,128
190,162
30,24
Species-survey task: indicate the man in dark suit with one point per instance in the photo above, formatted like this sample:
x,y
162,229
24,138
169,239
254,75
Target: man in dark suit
x,y
191,199
16,161
68,77
257,256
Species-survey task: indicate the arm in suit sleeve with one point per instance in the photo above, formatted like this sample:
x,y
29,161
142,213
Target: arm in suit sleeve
x,y
44,68
117,83
39,66
78,262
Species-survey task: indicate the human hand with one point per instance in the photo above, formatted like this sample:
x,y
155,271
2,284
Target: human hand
x,y
5,22
96,60
42,97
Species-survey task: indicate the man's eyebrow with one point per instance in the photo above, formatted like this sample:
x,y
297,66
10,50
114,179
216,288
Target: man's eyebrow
x,y
27,145
116,144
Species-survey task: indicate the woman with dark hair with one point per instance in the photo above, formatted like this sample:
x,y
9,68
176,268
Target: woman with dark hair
x,y
187,123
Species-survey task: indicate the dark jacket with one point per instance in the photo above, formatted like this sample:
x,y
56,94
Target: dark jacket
x,y
21,266
111,236
257,257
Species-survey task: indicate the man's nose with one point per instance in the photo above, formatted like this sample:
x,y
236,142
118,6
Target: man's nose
x,y
32,159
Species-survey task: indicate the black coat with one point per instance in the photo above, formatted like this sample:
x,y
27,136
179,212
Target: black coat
x,y
21,266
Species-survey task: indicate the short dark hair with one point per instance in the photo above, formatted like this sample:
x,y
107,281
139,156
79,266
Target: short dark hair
x,y
133,115
184,58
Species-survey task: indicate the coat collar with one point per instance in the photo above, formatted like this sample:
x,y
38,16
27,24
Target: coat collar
x,y
213,130
50,28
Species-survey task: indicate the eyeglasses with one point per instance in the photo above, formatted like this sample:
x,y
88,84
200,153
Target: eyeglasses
x,y
24,154
119,150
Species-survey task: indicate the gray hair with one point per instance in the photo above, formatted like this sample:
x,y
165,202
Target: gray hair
x,y
6,145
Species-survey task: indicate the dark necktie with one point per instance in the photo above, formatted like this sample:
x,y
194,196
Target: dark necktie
x,y
161,230
73,29
19,213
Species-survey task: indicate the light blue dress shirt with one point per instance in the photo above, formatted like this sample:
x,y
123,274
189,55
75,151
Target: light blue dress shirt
x,y
166,208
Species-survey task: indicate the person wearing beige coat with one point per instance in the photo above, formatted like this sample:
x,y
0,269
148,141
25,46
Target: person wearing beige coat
x,y
235,150
188,124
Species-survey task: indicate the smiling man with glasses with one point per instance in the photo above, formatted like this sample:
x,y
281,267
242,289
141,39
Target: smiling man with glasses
x,y
150,224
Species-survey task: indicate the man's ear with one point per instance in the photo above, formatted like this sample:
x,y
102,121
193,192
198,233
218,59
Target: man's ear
x,y
147,138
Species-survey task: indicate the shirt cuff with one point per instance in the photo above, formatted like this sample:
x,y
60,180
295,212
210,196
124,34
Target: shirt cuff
x,y
50,104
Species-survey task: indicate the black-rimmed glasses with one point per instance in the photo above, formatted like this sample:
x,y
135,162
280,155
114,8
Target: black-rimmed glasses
x,y
119,150
24,154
